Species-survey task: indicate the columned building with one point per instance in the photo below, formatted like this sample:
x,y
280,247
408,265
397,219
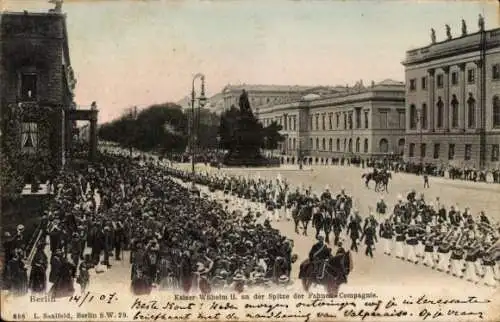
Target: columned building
x,y
362,121
266,95
452,100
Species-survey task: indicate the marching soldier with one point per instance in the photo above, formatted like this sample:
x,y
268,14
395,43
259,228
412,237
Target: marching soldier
x,y
370,237
386,233
381,206
471,257
399,230
429,250
353,230
457,255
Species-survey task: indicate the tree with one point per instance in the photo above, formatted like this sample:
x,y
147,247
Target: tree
x,y
272,136
163,127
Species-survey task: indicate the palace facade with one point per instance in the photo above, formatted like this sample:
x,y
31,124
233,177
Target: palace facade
x,y
360,121
38,114
453,100
264,95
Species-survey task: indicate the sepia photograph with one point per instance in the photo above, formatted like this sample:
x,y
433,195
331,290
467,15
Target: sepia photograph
x,y
249,160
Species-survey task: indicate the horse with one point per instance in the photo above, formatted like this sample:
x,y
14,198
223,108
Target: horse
x,y
280,268
332,273
382,181
302,214
368,177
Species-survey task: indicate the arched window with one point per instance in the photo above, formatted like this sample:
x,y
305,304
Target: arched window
x,y
423,116
294,144
401,146
324,144
439,112
289,147
471,111
350,145
330,145
384,146
338,144
413,116
345,145
454,111
365,148
358,143
311,144
317,143
496,111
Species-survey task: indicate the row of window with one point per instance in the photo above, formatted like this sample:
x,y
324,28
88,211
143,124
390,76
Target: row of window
x,y
347,146
451,151
420,116
471,78
348,122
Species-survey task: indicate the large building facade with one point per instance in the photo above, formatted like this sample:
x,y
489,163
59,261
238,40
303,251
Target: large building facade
x,y
361,121
265,95
453,101
36,92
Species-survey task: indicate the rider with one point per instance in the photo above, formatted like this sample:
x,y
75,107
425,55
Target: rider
x,y
318,249
326,195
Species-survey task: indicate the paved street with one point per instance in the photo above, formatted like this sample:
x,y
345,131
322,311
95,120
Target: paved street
x,y
383,273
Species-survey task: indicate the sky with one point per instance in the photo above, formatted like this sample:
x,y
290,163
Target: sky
x,y
141,52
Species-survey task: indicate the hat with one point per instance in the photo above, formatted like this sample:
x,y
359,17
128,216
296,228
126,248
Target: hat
x,y
283,279
320,238
239,277
20,228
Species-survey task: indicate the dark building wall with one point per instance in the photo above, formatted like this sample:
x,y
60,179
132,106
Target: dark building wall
x,y
33,43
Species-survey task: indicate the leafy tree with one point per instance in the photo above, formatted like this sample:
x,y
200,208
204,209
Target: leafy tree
x,y
163,127
272,136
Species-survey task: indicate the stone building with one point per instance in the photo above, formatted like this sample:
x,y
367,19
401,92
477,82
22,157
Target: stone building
x,y
36,92
361,121
452,100
262,95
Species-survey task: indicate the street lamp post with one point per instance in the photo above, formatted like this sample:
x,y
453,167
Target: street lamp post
x,y
419,125
201,102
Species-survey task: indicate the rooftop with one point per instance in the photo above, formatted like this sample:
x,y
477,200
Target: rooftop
x,y
267,88
386,88
452,47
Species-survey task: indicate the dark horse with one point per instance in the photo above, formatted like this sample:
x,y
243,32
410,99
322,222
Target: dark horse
x,y
382,181
368,177
302,214
332,273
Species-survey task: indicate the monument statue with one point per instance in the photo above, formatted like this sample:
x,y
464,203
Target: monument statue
x,y
58,7
448,32
433,35
481,23
245,103
464,28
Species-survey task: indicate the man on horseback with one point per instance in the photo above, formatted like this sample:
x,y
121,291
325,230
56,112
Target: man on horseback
x,y
326,195
317,255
